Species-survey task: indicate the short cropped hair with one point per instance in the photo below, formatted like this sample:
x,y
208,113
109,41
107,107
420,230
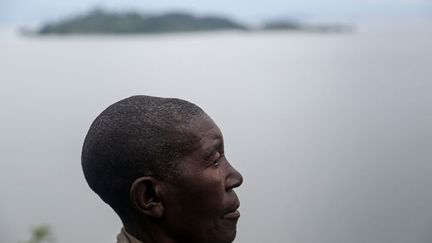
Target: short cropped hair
x,y
137,136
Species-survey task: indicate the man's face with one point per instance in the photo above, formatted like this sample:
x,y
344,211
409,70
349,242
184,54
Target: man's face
x,y
200,204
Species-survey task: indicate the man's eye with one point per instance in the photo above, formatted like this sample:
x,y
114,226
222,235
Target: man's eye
x,y
217,160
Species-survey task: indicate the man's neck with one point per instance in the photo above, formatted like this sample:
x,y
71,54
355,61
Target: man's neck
x,y
148,234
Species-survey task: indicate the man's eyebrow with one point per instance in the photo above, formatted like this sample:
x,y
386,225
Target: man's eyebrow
x,y
217,146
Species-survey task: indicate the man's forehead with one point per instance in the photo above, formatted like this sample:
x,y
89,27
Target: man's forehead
x,y
204,134
206,128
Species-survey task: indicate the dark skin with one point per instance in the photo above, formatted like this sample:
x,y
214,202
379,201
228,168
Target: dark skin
x,y
199,205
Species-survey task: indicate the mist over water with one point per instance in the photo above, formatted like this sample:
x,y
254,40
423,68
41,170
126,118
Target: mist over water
x,y
331,131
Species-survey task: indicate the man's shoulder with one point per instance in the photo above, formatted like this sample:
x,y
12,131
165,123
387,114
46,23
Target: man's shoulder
x,y
125,237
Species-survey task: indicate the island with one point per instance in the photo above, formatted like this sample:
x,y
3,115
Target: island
x,y
102,22
293,25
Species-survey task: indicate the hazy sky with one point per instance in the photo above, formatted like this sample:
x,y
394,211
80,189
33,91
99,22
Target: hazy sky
x,y
36,11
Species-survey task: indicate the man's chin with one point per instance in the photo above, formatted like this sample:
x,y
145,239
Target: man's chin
x,y
229,236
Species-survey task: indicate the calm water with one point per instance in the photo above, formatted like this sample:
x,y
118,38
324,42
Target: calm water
x,y
331,132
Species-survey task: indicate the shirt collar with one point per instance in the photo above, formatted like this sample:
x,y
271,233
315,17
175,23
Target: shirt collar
x,y
125,237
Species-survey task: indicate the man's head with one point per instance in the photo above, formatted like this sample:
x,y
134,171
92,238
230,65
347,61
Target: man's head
x,y
160,164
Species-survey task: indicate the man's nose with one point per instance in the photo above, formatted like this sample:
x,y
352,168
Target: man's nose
x,y
234,178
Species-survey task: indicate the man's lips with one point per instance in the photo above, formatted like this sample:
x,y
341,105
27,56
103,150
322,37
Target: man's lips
x,y
232,215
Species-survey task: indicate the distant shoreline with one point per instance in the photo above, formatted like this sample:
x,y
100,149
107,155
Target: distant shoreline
x,y
101,22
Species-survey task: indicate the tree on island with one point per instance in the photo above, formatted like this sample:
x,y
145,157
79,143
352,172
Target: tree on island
x,y
101,22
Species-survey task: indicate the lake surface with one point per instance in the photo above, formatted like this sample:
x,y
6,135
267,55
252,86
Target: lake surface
x,y
332,132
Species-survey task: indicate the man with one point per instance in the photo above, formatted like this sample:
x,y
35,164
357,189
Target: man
x,y
160,164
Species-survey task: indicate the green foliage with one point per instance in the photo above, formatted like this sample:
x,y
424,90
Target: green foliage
x,y
102,22
41,234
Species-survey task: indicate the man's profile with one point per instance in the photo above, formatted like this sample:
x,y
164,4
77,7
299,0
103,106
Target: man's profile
x,y
160,164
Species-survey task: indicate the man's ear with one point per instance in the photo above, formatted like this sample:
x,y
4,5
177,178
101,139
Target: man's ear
x,y
145,196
